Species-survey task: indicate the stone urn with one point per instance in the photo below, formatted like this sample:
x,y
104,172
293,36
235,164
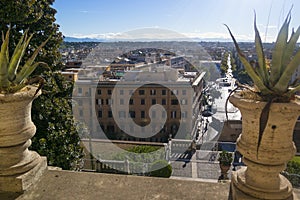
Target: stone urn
x,y
19,167
261,178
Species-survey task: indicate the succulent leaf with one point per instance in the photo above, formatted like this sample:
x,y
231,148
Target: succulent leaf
x,y
26,71
278,51
23,74
4,82
262,70
251,72
17,56
11,78
283,83
290,47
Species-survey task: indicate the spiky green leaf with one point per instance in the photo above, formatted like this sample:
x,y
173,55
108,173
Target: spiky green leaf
x,y
278,51
283,83
17,56
4,83
251,72
262,70
290,47
22,75
27,71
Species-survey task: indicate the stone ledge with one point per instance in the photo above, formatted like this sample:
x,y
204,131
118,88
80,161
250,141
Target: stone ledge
x,y
59,184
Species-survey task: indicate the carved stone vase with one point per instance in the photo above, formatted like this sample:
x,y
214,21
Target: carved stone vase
x,y
261,179
19,167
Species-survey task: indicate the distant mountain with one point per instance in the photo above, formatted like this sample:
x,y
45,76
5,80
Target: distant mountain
x,y
74,39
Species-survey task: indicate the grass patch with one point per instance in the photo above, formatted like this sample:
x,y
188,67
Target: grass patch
x,y
296,159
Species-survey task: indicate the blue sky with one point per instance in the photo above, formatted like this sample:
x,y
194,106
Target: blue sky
x,y
193,18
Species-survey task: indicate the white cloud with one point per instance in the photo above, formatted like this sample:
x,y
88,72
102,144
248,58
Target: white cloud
x,y
163,34
84,11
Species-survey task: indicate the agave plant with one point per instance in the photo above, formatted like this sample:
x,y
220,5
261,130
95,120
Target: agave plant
x,y
12,76
274,82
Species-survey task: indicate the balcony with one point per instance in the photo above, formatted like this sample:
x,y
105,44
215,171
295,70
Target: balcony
x,y
59,184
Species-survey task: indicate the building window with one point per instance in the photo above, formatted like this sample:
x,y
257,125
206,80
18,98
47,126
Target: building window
x,y
80,113
130,101
109,114
142,101
130,92
141,92
99,113
164,92
153,114
173,114
163,102
79,90
121,92
109,101
109,92
121,101
132,114
142,114
110,129
99,91
153,101
163,114
174,102
122,114
152,92
174,92
184,114
80,102
183,92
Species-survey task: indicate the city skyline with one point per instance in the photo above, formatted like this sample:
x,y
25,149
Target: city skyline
x,y
191,19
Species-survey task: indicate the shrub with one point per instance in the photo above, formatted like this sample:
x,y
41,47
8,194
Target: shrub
x,y
161,168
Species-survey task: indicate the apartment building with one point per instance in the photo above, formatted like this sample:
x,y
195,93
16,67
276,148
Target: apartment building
x,y
150,104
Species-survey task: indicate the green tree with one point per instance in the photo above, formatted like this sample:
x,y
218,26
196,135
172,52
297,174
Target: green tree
x,y
56,135
240,73
224,64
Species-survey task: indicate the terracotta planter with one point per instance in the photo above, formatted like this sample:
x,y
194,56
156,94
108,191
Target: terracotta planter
x,y
224,172
261,178
19,167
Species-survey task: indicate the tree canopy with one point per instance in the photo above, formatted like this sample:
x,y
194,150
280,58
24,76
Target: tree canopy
x,y
56,135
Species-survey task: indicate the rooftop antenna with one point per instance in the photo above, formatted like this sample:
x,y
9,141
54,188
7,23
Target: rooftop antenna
x,y
281,15
268,21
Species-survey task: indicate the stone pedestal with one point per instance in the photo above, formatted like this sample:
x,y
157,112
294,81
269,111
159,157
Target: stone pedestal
x,y
20,183
261,178
19,167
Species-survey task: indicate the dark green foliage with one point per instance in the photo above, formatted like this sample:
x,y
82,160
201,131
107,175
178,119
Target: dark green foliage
x,y
141,153
143,149
56,135
225,158
292,172
293,167
161,168
224,63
